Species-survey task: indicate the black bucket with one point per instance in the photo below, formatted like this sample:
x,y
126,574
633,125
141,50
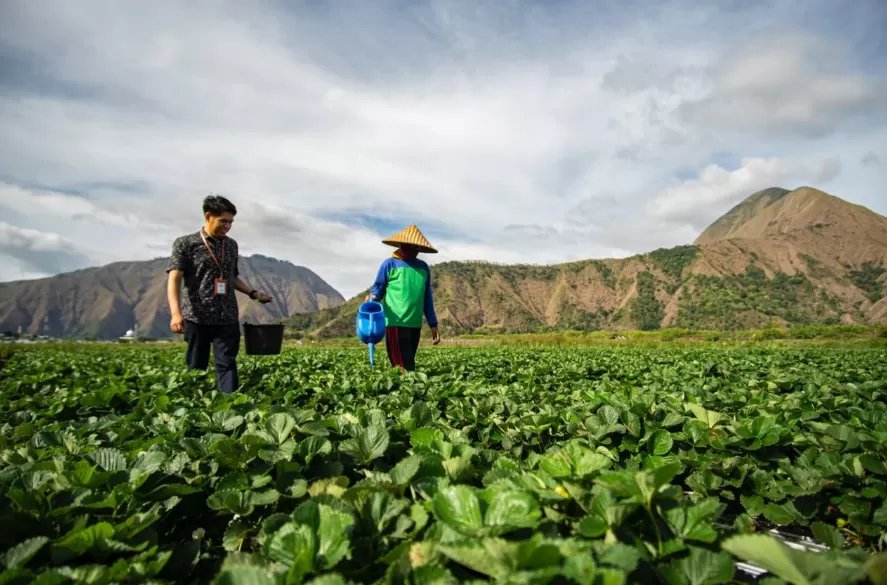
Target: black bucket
x,y
263,339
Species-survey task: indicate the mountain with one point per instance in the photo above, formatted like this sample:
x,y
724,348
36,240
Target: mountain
x,y
780,257
107,301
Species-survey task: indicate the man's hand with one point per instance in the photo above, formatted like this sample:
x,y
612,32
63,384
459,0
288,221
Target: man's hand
x,y
435,335
263,298
177,323
173,284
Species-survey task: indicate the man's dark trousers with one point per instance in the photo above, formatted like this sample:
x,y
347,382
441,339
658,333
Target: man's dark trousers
x,y
225,343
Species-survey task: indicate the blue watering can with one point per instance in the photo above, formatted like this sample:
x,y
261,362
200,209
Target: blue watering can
x,y
371,326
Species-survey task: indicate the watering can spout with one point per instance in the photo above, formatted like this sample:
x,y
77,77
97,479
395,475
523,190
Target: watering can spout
x,y
370,326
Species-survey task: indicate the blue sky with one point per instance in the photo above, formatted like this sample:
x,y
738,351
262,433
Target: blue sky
x,y
509,131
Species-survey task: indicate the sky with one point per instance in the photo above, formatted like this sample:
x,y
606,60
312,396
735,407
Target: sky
x,y
508,131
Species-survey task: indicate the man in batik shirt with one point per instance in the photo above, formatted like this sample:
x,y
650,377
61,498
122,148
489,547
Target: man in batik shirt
x,y
206,262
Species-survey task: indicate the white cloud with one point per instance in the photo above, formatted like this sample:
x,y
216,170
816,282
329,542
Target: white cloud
x,y
42,202
795,84
518,134
694,201
34,252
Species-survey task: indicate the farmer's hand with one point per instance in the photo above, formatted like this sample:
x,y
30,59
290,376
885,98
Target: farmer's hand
x,y
177,323
263,298
435,335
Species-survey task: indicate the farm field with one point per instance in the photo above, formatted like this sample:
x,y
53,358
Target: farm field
x,y
513,465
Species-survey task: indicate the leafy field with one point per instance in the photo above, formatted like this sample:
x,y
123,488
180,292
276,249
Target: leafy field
x,y
585,466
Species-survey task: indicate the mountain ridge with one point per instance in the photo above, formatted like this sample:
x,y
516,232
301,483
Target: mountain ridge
x,y
779,257
104,302
756,265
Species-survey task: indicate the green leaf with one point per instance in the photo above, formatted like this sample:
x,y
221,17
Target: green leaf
x,y
697,430
512,510
779,514
492,557
743,523
148,462
573,459
672,419
709,417
226,420
701,567
556,465
853,506
458,507
279,425
621,556
275,453
294,545
426,437
383,508
580,568
264,498
432,575
297,489
334,535
314,446
328,579
274,522
754,505
768,553
695,522
369,444
332,527
334,486
417,416
592,527
608,414
169,490
80,541
109,459
660,442
828,535
20,554
244,575
236,534
872,463
406,469
232,502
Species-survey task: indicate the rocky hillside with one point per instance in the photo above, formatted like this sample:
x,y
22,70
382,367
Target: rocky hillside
x,y
105,302
779,257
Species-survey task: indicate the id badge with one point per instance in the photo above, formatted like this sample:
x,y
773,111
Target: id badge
x,y
221,287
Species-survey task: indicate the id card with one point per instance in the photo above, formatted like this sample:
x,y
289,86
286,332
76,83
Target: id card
x,y
221,287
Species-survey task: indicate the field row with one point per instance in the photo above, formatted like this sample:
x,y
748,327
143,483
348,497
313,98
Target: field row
x,y
586,466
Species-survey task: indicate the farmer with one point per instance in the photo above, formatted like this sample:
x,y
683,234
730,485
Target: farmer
x,y
403,284
206,261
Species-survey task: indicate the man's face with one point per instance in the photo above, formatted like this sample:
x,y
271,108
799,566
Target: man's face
x,y
409,251
218,225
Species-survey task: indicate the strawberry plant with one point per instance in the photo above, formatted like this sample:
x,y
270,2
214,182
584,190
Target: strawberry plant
x,y
583,466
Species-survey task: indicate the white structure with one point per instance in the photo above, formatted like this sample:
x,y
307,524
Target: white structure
x,y
131,334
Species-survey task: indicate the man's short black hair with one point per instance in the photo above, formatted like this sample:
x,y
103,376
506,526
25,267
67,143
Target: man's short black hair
x,y
216,205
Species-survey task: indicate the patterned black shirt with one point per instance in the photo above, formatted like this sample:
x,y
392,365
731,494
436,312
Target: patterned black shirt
x,y
199,303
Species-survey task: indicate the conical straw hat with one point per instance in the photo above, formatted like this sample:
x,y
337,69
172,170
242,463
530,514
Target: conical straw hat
x,y
413,236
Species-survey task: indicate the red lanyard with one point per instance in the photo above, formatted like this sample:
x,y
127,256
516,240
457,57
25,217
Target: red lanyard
x,y
216,260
